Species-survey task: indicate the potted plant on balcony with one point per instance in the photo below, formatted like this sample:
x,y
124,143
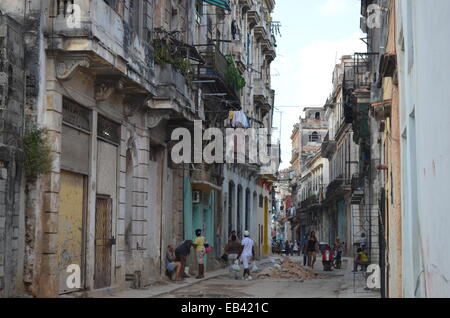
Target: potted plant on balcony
x,y
234,78
164,54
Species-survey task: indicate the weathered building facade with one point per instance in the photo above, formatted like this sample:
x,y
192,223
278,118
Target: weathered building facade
x,y
381,185
12,86
109,82
339,147
407,99
307,138
247,193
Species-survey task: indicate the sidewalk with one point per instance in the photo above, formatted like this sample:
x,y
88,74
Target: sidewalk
x,y
354,284
165,287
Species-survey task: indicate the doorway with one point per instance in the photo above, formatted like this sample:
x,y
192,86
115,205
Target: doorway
x,y
103,242
71,225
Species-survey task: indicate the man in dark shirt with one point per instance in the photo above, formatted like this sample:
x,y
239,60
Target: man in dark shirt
x,y
233,249
312,248
181,254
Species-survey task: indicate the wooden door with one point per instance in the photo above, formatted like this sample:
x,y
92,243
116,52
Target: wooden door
x,y
71,226
103,242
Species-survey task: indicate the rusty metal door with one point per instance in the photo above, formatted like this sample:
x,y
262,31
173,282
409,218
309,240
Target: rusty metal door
x,y
103,242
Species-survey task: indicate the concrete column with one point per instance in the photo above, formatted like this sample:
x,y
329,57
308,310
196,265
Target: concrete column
x,y
92,198
48,281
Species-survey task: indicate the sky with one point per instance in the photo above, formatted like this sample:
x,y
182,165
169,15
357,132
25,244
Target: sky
x,y
314,35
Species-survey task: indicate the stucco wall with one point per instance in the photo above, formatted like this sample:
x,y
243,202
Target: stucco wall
x,y
425,116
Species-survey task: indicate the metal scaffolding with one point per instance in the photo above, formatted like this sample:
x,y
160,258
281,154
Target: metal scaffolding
x,y
366,219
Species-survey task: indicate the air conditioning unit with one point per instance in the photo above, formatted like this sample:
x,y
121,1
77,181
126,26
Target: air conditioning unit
x,y
196,197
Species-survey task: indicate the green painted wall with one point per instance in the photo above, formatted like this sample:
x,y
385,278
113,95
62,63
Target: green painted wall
x,y
198,216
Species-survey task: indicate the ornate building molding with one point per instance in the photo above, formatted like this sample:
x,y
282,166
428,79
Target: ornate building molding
x,y
133,103
155,118
105,88
66,68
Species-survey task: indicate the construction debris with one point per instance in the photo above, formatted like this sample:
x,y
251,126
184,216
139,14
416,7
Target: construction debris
x,y
287,269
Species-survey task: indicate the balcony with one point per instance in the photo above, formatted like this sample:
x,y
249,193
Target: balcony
x,y
253,18
174,93
262,96
246,4
338,187
312,201
270,4
382,110
328,147
90,35
357,189
268,48
261,33
215,74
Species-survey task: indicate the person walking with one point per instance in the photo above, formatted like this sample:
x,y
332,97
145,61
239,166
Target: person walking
x,y
287,248
295,249
313,246
305,250
181,253
233,249
339,250
248,252
199,245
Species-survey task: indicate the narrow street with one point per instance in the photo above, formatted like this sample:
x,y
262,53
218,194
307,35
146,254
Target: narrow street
x,y
335,284
145,140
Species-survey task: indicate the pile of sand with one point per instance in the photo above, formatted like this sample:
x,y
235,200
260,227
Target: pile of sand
x,y
286,269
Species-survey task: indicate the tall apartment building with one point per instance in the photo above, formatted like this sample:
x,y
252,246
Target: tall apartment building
x,y
110,82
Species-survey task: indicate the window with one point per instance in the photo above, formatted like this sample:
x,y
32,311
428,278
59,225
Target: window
x,y
76,116
64,7
314,137
317,116
137,17
108,130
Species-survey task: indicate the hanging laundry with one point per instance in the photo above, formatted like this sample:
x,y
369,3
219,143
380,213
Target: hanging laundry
x,y
235,32
240,120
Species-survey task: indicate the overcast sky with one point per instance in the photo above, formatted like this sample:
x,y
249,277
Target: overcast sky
x,y
314,35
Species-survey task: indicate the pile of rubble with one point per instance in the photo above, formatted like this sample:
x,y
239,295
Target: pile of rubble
x,y
286,269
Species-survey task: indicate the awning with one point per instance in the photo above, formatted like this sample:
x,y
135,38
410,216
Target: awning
x,y
204,186
224,4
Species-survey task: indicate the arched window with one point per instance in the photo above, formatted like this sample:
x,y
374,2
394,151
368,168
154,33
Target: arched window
x,y
314,137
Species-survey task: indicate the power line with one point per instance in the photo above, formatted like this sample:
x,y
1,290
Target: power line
x,y
299,106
